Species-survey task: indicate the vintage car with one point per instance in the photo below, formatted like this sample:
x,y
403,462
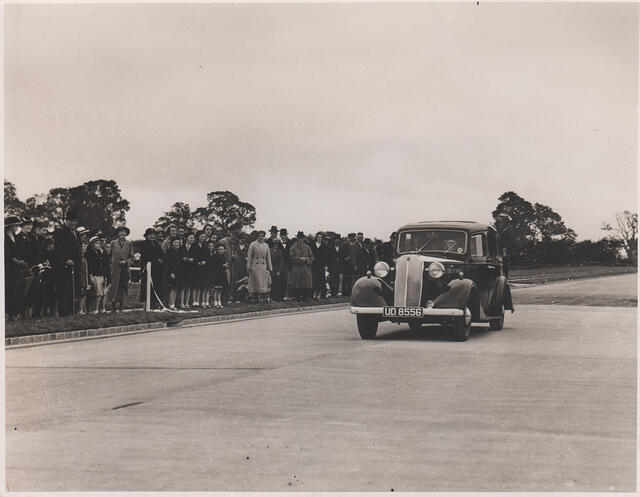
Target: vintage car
x,y
447,272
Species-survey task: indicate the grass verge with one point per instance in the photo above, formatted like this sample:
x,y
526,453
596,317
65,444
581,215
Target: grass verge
x,y
93,321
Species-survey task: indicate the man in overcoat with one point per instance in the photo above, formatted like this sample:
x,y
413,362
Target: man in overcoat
x,y
68,256
301,259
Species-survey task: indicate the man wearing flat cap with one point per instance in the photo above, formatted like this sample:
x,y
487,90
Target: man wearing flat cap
x,y
68,256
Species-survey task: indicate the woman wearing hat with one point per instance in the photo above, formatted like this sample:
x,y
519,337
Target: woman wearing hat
x,y
13,266
259,267
121,259
97,270
301,259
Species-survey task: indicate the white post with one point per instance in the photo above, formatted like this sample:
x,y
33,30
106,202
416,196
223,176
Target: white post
x,y
147,304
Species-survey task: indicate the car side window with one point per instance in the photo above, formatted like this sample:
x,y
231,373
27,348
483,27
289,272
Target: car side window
x,y
477,249
493,244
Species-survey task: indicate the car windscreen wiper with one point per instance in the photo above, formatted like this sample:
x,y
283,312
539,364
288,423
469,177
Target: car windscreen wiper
x,y
451,248
423,247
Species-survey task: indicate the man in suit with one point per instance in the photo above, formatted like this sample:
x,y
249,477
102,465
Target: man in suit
x,y
387,249
344,258
68,256
358,256
273,234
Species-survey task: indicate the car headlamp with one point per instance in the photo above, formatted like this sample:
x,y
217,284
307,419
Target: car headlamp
x,y
436,270
381,269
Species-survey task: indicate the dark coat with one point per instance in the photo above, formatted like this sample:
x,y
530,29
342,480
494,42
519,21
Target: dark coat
x,y
96,262
173,266
333,260
344,258
66,246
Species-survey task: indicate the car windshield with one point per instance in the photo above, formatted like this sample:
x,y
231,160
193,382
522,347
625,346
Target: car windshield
x,y
453,242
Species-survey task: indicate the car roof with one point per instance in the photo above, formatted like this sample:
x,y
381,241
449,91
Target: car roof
x,y
463,225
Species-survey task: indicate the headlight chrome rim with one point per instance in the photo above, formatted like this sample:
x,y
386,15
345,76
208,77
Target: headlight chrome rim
x,y
381,269
436,270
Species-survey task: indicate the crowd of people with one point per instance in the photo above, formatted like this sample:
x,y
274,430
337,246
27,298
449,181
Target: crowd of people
x,y
77,270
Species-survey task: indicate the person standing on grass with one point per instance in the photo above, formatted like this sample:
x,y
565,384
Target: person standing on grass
x,y
319,266
173,270
96,269
220,269
68,255
278,272
188,258
13,268
301,259
201,283
208,273
151,252
121,259
83,273
258,268
333,265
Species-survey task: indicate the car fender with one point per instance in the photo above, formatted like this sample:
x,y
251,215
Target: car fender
x,y
371,291
458,294
501,296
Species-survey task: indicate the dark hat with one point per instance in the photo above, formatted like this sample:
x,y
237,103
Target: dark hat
x,y
300,235
235,226
71,215
284,231
123,228
274,229
149,231
10,221
321,234
393,235
351,235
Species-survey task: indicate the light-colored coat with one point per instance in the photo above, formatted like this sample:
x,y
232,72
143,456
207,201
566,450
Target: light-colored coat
x,y
119,251
258,267
301,258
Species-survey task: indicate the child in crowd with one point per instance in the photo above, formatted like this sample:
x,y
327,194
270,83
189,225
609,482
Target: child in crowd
x,y
97,268
173,267
220,272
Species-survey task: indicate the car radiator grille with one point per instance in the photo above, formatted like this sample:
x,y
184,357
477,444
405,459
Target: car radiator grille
x,y
408,285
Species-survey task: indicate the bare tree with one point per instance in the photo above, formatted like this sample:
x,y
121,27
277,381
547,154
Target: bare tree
x,y
625,229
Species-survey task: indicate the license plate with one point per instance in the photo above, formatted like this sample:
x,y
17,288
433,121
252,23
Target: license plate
x,y
402,312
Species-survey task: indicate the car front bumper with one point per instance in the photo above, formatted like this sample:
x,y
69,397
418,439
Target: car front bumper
x,y
426,311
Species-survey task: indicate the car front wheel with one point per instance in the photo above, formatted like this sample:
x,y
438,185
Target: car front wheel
x,y
367,326
462,326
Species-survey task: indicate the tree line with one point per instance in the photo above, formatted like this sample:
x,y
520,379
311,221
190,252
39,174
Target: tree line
x,y
532,233
536,234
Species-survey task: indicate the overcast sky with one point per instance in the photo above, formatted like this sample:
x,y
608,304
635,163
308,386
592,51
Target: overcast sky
x,y
344,117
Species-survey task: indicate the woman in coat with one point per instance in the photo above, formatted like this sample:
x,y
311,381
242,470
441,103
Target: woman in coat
x,y
121,258
259,267
301,259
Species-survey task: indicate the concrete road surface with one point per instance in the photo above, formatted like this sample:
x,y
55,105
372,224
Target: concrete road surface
x,y
300,403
